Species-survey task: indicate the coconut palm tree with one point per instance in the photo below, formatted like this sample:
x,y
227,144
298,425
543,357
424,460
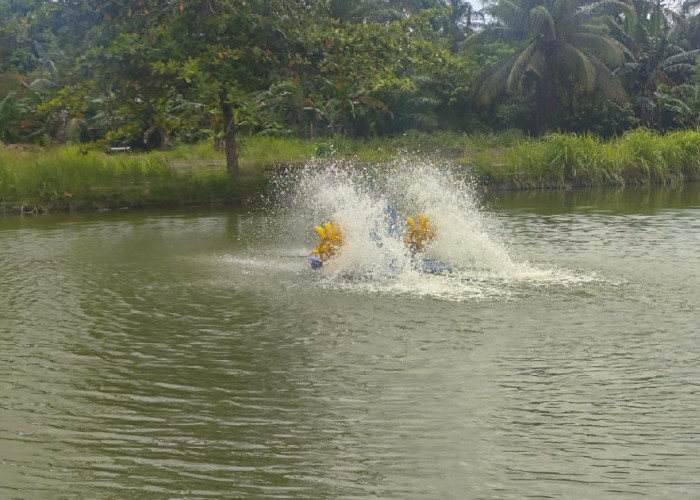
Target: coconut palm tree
x,y
564,46
458,21
691,10
658,40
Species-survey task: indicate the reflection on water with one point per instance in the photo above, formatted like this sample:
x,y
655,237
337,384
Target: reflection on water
x,y
630,200
156,355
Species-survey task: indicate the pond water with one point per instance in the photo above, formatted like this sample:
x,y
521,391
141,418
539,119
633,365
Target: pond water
x,y
194,354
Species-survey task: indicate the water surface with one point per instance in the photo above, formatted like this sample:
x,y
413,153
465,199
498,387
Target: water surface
x,y
182,355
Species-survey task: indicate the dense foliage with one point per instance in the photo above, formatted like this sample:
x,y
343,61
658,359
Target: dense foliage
x,y
151,74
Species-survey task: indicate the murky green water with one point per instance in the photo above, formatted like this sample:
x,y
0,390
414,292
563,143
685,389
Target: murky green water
x,y
173,355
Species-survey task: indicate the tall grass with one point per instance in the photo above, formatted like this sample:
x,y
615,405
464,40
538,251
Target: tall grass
x,y
561,159
255,152
639,157
258,152
72,177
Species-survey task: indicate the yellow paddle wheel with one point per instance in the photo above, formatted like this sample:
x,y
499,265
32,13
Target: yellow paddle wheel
x,y
331,241
419,234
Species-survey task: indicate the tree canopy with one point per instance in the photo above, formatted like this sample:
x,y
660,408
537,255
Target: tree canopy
x,y
151,73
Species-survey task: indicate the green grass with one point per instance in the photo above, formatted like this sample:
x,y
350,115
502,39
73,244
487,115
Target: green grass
x,y
640,157
76,178
201,151
72,178
260,152
256,153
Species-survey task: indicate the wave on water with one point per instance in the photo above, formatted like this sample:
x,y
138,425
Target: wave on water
x,y
374,257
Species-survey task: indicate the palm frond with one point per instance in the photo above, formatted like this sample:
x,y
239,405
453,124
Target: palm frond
x,y
617,33
608,50
535,71
574,64
595,28
494,34
603,8
690,6
7,105
608,84
512,13
492,83
42,84
45,59
646,104
684,57
687,90
656,24
519,67
682,70
627,68
542,23
673,104
676,18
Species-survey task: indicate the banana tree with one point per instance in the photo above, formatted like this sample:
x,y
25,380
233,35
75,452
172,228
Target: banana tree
x,y
660,60
682,101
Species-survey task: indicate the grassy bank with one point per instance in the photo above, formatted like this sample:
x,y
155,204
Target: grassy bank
x,y
640,157
75,178
72,178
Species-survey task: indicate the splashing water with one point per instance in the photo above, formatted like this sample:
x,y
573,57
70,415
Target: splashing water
x,y
374,257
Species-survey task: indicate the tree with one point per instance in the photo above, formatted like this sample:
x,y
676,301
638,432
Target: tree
x,y
155,62
683,101
563,48
341,75
656,39
457,21
691,10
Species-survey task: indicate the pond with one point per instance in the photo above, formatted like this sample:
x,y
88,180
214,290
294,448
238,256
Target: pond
x,y
195,354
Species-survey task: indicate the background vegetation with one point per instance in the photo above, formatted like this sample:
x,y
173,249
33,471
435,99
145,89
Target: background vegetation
x,y
72,178
167,76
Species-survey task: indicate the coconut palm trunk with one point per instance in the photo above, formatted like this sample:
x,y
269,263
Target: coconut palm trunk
x,y
546,97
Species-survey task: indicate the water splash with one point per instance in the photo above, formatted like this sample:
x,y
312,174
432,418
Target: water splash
x,y
374,257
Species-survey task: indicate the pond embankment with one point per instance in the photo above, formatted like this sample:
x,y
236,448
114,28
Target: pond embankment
x,y
75,178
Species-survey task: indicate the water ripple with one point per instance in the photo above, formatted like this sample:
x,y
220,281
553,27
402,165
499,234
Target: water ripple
x,y
150,357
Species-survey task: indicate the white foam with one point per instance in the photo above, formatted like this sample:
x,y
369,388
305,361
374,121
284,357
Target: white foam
x,y
375,260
